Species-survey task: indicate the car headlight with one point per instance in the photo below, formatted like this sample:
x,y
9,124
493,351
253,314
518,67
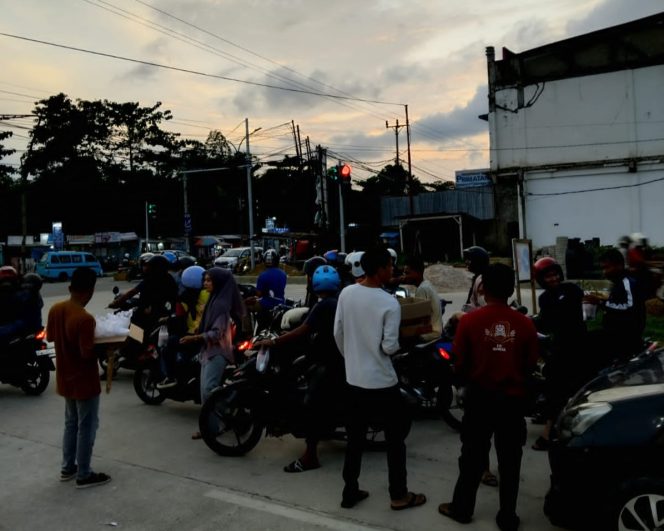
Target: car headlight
x,y
576,420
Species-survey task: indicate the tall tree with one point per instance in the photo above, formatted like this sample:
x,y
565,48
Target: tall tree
x,y
6,171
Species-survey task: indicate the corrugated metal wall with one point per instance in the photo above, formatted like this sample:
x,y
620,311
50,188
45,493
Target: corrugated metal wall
x,y
477,202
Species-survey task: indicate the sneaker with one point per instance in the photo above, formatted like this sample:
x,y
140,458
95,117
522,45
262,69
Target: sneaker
x,y
166,383
66,475
93,480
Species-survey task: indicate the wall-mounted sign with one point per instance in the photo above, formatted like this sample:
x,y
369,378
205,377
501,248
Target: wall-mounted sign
x,y
472,178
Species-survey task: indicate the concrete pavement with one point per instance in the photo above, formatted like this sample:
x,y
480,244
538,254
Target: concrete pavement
x,y
163,480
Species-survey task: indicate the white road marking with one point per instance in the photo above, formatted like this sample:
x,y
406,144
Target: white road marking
x,y
293,513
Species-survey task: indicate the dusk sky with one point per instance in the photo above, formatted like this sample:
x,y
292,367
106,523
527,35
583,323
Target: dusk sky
x,y
429,55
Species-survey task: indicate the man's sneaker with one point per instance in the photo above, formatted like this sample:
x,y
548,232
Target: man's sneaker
x,y
92,480
166,383
66,475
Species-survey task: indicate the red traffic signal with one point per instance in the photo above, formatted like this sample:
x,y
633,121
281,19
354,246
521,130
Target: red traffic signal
x,y
344,173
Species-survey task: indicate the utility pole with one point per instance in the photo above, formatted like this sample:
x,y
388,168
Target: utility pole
x,y
410,170
322,186
250,197
396,135
298,150
342,218
187,217
147,235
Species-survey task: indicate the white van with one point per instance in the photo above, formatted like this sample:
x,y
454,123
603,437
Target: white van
x,y
59,265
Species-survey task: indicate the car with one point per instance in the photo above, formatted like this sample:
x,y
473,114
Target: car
x,y
60,265
607,451
237,259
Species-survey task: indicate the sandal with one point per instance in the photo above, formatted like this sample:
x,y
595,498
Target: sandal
x,y
299,466
414,500
348,502
196,435
541,444
489,479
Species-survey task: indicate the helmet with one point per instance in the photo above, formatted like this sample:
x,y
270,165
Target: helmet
x,y
355,265
159,262
271,258
393,254
325,278
186,261
312,264
638,239
170,256
331,256
624,241
341,258
143,259
8,272
192,277
543,266
478,258
32,280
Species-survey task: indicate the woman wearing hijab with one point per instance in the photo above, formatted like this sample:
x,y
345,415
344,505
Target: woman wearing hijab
x,y
217,328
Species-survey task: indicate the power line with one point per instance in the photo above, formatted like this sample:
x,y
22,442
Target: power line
x,y
194,72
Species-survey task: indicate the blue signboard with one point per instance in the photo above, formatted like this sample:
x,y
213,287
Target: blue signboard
x,y
472,178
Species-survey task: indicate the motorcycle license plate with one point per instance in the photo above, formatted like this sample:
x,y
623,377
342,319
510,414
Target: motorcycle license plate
x,y
50,352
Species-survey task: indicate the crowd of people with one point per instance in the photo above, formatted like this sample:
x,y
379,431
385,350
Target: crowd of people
x,y
352,330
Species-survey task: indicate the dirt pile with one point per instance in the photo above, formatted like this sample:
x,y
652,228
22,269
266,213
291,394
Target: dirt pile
x,y
448,279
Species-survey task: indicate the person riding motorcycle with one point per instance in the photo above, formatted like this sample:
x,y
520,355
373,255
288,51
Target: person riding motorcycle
x,y
353,261
309,268
270,288
11,319
326,381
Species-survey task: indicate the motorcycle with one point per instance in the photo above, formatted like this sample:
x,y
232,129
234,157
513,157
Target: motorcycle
x,y
26,362
265,394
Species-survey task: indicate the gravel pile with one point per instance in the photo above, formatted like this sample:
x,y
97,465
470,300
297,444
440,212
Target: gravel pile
x,y
448,279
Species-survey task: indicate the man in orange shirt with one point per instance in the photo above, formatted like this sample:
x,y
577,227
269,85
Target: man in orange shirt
x,y
72,329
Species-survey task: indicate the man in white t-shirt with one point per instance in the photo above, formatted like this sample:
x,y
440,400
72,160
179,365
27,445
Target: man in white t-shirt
x,y
413,273
366,331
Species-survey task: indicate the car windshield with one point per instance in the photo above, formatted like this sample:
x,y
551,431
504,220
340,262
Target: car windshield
x,y
644,370
233,253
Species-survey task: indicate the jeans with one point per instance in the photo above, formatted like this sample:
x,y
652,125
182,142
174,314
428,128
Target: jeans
x,y
211,372
383,408
81,422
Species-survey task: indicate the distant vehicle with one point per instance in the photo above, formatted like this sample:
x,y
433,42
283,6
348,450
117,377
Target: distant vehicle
x,y
59,265
607,456
238,259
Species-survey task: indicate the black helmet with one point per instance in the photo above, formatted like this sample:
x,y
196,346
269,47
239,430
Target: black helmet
x,y
158,262
144,258
313,263
477,258
186,261
33,281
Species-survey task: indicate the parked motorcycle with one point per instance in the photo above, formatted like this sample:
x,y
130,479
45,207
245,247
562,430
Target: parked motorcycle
x,y
26,362
265,394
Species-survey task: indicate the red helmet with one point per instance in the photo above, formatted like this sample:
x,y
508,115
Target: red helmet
x,y
8,272
543,266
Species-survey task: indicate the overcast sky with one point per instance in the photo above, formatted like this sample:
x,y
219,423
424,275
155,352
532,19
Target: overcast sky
x,y
428,54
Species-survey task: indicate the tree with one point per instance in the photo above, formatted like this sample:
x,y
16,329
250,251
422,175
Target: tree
x,y
6,171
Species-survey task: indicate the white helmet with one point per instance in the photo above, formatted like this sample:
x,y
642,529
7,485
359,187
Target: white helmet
x,y
638,238
271,258
353,260
393,254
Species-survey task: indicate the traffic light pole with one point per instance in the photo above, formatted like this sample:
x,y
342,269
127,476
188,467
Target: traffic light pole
x,y
250,198
147,237
342,221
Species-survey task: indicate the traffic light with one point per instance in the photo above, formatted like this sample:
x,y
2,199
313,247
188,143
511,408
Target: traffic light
x,y
333,173
152,209
344,172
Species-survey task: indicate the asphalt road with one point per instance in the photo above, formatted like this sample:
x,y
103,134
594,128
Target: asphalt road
x,y
163,480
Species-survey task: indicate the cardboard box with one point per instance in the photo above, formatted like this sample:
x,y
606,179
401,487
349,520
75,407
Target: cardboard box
x,y
415,329
414,310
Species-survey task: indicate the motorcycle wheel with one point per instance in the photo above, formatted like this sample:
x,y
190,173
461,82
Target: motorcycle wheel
x,y
146,387
444,405
37,376
228,422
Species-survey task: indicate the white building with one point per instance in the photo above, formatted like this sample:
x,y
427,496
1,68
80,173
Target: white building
x,y
578,127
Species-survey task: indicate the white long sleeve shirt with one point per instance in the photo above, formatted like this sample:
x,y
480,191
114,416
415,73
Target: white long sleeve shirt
x,y
366,330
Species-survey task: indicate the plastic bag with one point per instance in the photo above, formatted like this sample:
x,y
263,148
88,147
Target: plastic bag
x,y
112,324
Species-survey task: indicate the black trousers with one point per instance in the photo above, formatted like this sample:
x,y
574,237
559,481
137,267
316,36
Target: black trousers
x,y
487,414
382,408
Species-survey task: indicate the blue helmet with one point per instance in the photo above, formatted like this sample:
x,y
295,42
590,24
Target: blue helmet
x,y
170,256
192,277
325,278
331,256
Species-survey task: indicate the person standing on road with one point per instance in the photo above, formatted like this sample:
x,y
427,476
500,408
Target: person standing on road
x,y
366,331
72,329
413,273
496,349
218,324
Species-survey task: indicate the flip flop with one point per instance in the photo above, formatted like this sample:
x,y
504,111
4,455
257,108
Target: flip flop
x,y
414,500
298,466
446,509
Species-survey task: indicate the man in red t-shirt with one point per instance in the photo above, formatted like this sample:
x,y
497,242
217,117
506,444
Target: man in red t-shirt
x,y
496,349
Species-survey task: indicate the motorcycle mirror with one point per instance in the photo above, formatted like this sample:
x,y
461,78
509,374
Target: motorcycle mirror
x,y
116,290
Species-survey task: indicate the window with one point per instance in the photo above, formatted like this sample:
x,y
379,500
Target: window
x,y
76,258
54,259
65,259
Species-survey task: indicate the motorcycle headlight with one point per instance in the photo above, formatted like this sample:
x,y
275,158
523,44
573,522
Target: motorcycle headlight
x,y
576,420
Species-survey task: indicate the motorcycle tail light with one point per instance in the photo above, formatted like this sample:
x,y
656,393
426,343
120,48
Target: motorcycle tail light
x,y
41,335
444,354
245,345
